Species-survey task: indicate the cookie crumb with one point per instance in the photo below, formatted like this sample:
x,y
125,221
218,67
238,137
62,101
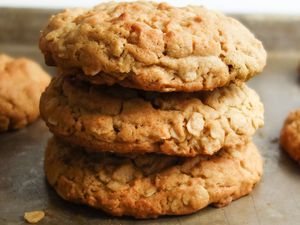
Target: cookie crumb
x,y
34,216
298,72
275,140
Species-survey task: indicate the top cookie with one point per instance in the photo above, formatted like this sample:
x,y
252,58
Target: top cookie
x,y
21,83
152,46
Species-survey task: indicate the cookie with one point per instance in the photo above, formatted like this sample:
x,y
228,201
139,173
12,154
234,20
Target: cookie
x,y
152,46
21,83
123,120
151,185
290,135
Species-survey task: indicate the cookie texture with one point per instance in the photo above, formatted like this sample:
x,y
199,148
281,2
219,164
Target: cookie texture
x,y
129,121
290,135
152,46
21,83
151,185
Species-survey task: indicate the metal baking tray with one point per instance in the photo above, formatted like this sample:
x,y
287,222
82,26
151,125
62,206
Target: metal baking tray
x,y
276,200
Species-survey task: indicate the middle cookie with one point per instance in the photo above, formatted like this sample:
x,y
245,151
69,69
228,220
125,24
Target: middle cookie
x,y
132,121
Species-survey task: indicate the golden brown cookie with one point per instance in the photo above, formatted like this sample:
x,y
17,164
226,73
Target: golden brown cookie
x,y
152,46
147,186
21,83
130,121
290,135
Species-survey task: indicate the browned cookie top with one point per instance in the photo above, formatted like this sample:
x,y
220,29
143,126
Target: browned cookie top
x,y
152,46
124,120
151,185
21,83
290,135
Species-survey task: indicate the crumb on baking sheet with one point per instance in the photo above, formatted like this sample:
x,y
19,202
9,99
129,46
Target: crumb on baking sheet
x,y
34,216
274,140
298,71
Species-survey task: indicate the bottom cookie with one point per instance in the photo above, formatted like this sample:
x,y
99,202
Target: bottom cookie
x,y
148,186
290,135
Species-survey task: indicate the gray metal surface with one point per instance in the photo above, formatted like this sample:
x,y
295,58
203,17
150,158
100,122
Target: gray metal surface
x,y
276,200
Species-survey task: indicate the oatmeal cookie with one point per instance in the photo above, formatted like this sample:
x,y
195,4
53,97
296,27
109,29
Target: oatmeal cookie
x,y
290,135
151,185
21,83
152,46
133,121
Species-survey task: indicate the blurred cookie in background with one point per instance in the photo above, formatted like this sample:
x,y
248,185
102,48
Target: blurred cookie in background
x,y
21,83
290,135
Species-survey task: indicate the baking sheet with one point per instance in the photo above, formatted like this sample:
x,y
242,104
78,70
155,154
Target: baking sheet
x,y
276,200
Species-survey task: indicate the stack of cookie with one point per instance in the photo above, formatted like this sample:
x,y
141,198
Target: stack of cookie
x,y
149,110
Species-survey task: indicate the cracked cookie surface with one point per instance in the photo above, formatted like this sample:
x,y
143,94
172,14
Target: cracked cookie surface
x,y
290,135
151,185
152,46
21,83
130,121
